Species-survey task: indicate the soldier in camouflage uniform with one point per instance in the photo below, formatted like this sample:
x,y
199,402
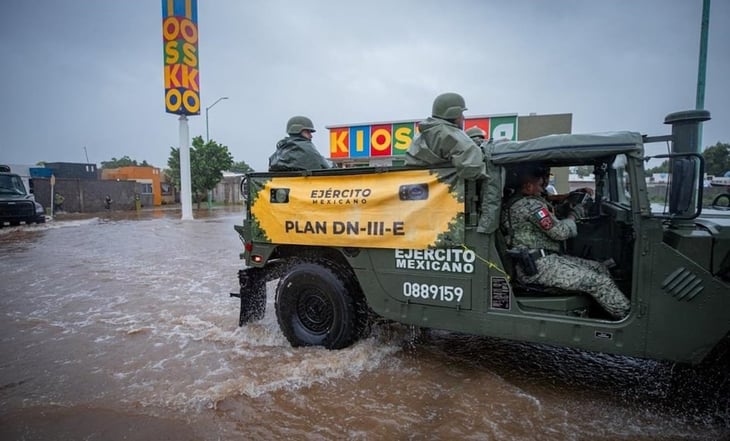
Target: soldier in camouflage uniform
x,y
533,227
442,140
296,151
476,134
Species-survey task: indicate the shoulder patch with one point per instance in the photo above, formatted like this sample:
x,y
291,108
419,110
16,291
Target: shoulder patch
x,y
544,219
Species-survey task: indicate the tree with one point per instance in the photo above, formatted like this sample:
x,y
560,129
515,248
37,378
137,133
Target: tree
x,y
207,162
661,168
584,170
717,159
241,167
124,161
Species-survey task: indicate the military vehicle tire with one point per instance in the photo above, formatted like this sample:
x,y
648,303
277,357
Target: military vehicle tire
x,y
317,305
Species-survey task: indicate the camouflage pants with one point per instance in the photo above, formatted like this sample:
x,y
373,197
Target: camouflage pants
x,y
576,274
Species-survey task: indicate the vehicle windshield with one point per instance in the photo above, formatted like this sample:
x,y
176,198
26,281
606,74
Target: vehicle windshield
x,y
11,184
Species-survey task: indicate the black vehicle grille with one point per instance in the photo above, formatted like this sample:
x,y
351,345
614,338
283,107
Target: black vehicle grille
x,y
16,210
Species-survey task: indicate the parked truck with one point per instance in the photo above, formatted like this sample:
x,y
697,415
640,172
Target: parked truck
x,y
423,247
16,203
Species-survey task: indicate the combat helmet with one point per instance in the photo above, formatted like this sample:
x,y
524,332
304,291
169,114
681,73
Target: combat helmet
x,y
448,106
296,124
475,132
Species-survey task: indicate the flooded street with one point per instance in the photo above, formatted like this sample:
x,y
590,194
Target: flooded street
x,y
121,327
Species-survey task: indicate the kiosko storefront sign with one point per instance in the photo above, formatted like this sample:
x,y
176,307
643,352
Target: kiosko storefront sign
x,y
393,138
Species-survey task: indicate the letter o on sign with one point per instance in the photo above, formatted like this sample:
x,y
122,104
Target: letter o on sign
x,y
189,31
191,101
173,100
380,140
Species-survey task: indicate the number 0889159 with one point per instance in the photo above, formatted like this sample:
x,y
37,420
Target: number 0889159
x,y
426,291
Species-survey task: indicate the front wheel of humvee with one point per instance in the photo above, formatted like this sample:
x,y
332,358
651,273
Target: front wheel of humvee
x,y
317,304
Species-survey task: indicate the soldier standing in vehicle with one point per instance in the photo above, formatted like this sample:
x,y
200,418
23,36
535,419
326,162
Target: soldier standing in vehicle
x,y
476,134
532,227
442,139
296,151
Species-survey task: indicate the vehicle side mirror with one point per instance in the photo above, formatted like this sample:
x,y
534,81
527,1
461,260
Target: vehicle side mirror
x,y
682,189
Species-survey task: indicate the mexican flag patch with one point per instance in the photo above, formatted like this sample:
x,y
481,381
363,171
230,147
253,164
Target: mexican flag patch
x,y
544,218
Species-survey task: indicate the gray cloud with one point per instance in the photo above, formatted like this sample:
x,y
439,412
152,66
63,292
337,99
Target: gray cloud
x,y
89,74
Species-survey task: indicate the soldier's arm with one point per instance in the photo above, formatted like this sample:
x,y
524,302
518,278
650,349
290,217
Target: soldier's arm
x,y
546,221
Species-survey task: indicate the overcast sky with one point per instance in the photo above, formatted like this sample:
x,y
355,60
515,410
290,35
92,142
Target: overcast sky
x,y
89,73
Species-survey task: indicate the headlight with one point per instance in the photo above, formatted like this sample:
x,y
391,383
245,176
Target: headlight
x,y
38,208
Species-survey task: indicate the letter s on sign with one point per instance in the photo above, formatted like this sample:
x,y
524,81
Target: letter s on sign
x,y
172,55
191,56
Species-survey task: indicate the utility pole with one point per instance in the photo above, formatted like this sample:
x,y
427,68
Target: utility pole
x,y
207,138
702,69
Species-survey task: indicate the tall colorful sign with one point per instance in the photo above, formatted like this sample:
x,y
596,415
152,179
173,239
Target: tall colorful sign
x,y
180,39
394,138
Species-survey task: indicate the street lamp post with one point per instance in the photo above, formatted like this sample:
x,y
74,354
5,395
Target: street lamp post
x,y
207,138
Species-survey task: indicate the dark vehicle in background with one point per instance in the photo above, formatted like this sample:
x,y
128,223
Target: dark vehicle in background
x,y
16,204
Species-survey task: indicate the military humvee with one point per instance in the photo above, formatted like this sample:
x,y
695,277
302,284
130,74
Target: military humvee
x,y
424,247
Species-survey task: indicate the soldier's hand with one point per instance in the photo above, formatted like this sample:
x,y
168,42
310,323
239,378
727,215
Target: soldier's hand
x,y
578,211
563,210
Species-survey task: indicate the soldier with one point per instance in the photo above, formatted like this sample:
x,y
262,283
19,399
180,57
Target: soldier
x,y
532,227
551,194
476,134
58,202
296,151
442,139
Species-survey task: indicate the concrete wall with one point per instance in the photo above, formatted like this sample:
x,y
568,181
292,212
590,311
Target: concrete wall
x,y
85,196
149,175
228,190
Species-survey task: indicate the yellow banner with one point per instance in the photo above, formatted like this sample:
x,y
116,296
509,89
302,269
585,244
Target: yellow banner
x,y
412,209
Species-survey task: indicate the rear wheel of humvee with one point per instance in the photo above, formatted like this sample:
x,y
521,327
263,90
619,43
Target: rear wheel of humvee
x,y
318,305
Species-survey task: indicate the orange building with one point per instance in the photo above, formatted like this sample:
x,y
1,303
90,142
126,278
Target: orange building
x,y
149,177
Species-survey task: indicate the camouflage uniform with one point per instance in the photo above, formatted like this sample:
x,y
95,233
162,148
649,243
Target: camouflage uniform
x,y
532,226
441,142
296,152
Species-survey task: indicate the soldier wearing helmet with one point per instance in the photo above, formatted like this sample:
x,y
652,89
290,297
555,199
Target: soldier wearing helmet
x,y
535,231
296,151
476,134
442,139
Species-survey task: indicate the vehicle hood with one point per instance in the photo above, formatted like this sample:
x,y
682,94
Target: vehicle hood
x,y
7,197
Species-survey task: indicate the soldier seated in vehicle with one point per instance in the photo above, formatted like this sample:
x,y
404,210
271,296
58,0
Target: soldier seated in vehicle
x,y
297,151
538,234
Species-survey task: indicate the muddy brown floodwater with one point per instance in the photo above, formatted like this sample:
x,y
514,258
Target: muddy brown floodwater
x,y
121,327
